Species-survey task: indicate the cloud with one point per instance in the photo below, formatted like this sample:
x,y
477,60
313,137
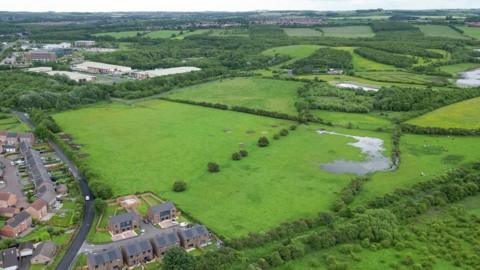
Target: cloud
x,y
228,5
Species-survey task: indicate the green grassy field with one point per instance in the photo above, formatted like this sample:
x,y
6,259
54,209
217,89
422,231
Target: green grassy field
x,y
440,31
302,32
361,63
125,34
257,93
400,77
294,51
149,145
348,31
357,120
458,68
423,157
8,122
473,32
465,114
162,34
191,33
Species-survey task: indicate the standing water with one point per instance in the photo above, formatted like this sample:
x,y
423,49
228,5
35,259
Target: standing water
x,y
372,147
469,78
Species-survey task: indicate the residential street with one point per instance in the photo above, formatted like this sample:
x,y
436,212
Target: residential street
x,y
12,182
89,210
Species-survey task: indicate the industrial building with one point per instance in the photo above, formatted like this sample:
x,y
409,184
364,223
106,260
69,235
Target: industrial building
x,y
102,68
75,76
41,56
141,75
84,43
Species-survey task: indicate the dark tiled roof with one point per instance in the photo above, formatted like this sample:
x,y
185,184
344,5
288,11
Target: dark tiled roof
x,y
105,256
123,218
25,245
35,166
196,231
165,239
9,257
137,247
17,219
46,248
162,209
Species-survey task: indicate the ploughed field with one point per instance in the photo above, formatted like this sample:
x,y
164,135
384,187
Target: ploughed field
x,y
149,145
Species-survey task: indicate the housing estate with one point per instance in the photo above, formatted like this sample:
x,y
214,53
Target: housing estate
x,y
164,241
7,199
122,223
194,237
137,252
111,259
38,209
16,225
10,141
162,212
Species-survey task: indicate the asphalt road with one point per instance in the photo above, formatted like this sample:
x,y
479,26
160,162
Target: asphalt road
x,y
88,211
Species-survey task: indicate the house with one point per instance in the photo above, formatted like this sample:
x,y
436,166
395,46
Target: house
x,y
193,237
137,252
111,259
164,241
125,222
44,253
47,193
8,212
3,137
16,225
38,209
25,249
162,212
9,148
26,137
9,259
84,43
7,199
11,138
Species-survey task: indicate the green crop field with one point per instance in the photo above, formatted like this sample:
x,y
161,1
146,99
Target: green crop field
x,y
257,93
294,51
147,146
440,31
457,68
348,31
465,114
357,120
162,34
125,34
473,32
302,32
423,157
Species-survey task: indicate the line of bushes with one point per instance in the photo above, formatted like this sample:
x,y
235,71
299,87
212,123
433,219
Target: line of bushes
x,y
439,131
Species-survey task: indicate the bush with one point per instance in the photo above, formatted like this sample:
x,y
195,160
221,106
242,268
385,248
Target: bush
x,y
263,142
179,186
101,190
236,156
243,153
276,137
283,132
213,167
293,127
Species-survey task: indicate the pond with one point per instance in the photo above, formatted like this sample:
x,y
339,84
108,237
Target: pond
x,y
357,86
372,147
469,78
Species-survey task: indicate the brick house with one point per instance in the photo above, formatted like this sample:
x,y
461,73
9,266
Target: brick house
x,y
194,237
7,199
8,212
111,259
16,225
38,209
162,212
164,241
137,252
123,223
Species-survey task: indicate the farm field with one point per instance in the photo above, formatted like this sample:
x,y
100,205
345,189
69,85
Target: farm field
x,y
294,51
440,31
356,120
302,32
348,31
465,114
248,195
162,34
423,157
361,63
473,32
266,94
400,77
458,68
125,34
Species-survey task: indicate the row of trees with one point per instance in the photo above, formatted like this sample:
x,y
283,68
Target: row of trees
x,y
322,60
397,60
439,131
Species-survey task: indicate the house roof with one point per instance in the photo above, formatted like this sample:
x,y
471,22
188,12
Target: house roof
x,y
112,254
48,196
162,209
17,219
11,135
7,210
137,247
193,232
38,204
25,245
35,165
9,257
46,248
123,218
5,196
165,239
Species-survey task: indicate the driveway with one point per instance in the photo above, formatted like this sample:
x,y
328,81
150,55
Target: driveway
x,y
13,183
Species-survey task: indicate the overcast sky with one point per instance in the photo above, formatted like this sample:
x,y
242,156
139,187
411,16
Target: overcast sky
x,y
227,5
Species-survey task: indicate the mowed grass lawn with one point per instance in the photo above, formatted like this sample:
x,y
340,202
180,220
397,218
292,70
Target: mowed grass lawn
x,y
294,51
465,114
348,31
302,32
257,93
149,145
440,31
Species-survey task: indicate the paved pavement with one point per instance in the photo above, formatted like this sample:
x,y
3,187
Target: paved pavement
x,y
88,212
13,182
